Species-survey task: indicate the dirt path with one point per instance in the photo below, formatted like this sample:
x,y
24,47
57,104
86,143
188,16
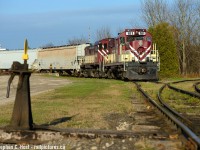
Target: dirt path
x,y
38,84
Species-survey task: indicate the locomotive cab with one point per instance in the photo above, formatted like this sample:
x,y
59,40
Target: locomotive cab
x,y
134,48
129,56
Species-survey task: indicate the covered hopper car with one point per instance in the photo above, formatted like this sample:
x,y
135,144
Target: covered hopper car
x,y
60,59
8,56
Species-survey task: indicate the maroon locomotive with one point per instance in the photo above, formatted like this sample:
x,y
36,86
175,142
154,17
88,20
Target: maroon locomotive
x,y
132,55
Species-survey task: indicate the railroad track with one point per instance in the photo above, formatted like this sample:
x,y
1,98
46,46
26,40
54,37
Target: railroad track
x,y
187,123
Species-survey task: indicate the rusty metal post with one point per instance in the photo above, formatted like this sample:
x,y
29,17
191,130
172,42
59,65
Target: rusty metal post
x,y
22,114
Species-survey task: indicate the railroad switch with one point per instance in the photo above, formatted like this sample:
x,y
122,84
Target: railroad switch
x,y
22,114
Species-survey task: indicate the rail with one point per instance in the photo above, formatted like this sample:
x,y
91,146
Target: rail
x,y
189,134
188,122
184,91
196,87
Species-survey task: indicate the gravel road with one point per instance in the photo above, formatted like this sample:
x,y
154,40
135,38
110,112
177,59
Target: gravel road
x,y
38,84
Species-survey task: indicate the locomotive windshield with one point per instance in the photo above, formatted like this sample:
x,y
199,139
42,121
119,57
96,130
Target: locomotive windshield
x,y
105,46
130,38
100,46
149,39
133,38
139,38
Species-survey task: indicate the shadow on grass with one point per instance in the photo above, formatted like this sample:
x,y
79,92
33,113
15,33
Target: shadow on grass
x,y
58,121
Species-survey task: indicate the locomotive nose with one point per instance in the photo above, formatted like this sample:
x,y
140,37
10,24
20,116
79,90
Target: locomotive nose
x,y
141,50
142,70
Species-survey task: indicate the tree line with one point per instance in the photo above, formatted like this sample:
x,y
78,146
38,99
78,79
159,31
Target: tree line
x,y
180,52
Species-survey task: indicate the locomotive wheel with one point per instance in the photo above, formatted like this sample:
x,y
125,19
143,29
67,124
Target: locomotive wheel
x,y
101,74
75,73
85,74
110,74
123,76
91,73
96,74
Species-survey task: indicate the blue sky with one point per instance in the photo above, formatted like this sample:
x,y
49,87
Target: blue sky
x,y
56,21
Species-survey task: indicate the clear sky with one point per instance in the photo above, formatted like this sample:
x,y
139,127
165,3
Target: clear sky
x,y
56,21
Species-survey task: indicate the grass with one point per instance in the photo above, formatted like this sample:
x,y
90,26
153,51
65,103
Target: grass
x,y
82,104
180,102
151,88
189,85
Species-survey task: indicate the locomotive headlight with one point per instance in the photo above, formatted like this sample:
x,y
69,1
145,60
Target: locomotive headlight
x,y
142,33
142,70
130,33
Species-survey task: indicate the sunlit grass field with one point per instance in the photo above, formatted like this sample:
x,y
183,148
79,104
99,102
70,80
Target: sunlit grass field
x,y
85,103
82,104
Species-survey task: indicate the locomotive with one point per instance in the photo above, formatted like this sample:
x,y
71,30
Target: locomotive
x,y
132,55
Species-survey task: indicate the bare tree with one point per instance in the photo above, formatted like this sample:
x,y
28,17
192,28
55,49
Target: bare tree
x,y
184,19
103,33
155,11
184,16
47,45
76,41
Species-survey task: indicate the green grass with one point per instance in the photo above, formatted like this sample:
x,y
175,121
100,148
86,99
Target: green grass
x,y
81,104
180,102
151,88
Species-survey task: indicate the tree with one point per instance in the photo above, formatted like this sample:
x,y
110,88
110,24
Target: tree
x,y
154,12
103,33
184,16
76,41
185,20
47,45
163,37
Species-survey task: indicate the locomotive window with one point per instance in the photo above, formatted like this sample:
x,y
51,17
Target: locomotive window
x,y
139,38
130,38
100,46
105,46
122,40
149,39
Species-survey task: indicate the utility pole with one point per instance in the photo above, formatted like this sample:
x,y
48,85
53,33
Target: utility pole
x,y
89,34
